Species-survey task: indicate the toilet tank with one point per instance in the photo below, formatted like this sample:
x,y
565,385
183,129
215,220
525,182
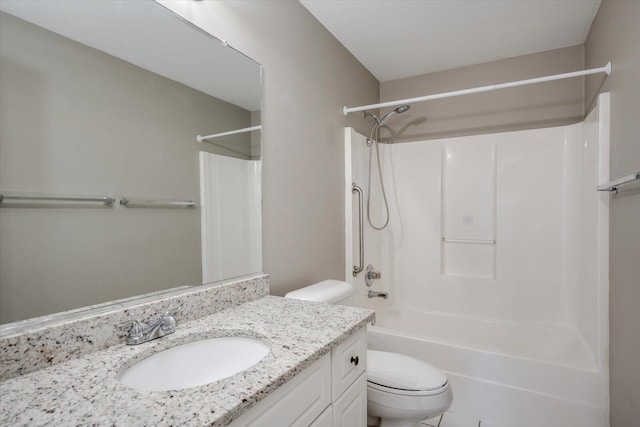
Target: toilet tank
x,y
329,291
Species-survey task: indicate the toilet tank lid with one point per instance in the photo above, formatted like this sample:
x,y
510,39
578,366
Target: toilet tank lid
x,y
329,291
403,372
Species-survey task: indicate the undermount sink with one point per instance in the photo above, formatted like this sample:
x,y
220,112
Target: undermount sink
x,y
194,364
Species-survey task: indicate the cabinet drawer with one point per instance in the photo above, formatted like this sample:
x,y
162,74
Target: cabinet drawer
x,y
296,403
349,360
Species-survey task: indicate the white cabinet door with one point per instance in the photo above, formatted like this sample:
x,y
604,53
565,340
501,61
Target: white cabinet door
x,y
297,403
325,419
350,410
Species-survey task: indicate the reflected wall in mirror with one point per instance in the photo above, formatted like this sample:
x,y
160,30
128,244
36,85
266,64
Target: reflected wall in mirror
x,y
106,98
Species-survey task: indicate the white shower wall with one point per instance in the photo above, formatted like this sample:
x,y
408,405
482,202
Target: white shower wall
x,y
531,192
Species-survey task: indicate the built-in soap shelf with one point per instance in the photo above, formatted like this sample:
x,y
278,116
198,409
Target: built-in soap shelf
x,y
469,188
473,241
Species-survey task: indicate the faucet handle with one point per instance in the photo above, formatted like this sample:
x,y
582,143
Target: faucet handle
x,y
173,311
137,327
168,320
371,275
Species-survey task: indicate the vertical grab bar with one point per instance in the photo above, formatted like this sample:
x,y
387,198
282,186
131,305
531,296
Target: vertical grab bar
x,y
359,268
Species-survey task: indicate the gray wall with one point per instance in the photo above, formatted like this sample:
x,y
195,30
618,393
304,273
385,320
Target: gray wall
x,y
549,104
615,37
77,121
308,76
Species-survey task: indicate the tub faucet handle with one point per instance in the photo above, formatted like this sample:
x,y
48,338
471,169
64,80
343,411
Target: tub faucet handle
x,y
371,275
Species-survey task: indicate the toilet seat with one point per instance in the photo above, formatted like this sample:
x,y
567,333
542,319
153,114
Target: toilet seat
x,y
404,375
400,392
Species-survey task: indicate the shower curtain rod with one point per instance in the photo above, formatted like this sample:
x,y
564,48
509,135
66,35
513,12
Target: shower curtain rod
x,y
201,138
605,69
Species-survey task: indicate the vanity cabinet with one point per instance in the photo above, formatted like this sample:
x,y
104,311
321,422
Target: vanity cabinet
x,y
330,392
351,408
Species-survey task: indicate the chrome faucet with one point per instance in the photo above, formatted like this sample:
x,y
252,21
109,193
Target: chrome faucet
x,y
376,294
141,332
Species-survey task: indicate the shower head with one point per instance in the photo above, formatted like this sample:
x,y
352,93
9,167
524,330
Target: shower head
x,y
380,121
398,110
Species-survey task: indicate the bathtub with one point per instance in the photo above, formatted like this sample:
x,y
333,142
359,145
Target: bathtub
x,y
506,374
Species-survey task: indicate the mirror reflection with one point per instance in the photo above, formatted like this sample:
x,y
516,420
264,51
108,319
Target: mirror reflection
x,y
106,99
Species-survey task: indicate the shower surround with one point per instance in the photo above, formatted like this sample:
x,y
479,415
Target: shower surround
x,y
496,264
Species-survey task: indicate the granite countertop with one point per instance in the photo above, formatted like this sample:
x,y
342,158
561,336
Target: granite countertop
x,y
86,391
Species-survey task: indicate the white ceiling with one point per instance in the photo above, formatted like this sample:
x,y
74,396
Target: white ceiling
x,y
403,38
151,37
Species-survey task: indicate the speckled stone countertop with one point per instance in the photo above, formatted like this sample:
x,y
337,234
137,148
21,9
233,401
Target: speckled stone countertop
x,y
33,345
86,391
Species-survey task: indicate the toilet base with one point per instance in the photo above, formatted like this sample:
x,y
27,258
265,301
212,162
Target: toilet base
x,y
399,423
377,422
373,421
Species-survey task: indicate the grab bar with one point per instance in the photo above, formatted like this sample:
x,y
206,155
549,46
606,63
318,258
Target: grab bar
x,y
359,268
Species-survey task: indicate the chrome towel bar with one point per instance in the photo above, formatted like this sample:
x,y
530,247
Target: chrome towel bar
x,y
147,203
613,185
106,200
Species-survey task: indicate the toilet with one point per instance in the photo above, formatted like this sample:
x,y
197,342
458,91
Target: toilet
x,y
401,390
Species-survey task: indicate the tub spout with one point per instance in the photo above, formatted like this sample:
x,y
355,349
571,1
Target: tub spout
x,y
376,294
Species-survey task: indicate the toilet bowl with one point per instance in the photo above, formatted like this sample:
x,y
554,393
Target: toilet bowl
x,y
401,390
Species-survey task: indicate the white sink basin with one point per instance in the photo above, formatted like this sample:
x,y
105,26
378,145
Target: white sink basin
x,y
194,364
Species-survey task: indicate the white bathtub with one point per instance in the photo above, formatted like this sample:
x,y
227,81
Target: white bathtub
x,y
512,375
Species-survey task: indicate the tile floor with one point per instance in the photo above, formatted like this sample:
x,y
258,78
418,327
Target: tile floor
x,y
452,419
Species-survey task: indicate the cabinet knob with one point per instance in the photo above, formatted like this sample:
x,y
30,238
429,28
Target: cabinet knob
x,y
355,360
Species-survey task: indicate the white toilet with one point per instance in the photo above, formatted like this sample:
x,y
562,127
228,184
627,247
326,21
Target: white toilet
x,y
401,390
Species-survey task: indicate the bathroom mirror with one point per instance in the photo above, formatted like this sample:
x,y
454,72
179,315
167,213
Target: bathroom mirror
x,y
107,194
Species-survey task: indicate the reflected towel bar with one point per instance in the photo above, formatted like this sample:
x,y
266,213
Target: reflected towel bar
x,y
613,185
106,200
128,202
475,241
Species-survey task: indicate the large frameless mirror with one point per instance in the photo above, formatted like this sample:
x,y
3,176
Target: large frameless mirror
x,y
107,191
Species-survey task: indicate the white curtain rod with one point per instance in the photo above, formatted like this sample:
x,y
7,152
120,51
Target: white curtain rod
x,y
605,69
200,138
